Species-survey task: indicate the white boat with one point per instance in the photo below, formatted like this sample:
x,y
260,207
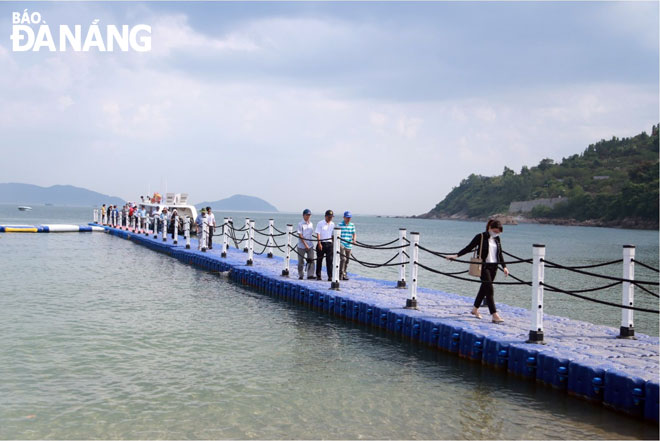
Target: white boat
x,y
172,201
24,208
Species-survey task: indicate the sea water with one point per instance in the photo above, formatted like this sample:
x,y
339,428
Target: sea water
x,y
103,338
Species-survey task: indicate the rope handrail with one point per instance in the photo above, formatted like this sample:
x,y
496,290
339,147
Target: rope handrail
x,y
471,280
601,276
602,302
646,266
233,228
268,234
278,230
398,247
445,256
375,265
648,291
382,245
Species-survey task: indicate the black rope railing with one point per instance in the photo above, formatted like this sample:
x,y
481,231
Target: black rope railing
x,y
591,299
601,276
646,266
442,273
648,291
376,265
446,256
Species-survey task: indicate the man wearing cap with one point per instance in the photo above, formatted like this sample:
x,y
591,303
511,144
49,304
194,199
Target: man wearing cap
x,y
324,247
306,245
347,239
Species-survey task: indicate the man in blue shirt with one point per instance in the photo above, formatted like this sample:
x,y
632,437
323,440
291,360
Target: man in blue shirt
x,y
347,239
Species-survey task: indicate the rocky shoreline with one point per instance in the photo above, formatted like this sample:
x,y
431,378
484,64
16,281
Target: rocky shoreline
x,y
626,223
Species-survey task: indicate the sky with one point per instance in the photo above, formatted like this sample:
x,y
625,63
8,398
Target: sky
x,y
373,107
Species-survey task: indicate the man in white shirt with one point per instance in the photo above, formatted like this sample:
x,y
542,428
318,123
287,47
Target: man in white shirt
x,y
210,217
305,245
324,231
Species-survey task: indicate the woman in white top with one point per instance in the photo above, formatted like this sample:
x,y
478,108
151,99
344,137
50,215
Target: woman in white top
x,y
491,255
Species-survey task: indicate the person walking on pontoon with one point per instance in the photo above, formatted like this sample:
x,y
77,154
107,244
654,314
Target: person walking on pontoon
x,y
305,247
489,249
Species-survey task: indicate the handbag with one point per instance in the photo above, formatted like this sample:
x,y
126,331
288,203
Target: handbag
x,y
476,261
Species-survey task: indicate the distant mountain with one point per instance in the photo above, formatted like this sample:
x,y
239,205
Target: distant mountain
x,y
239,202
26,194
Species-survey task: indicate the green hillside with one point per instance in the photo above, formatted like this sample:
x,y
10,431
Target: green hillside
x,y
625,187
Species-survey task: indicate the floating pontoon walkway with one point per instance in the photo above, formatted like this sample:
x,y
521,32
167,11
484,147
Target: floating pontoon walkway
x,y
581,358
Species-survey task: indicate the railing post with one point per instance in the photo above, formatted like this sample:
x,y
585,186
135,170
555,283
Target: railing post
x,y
176,229
205,231
146,225
413,252
538,274
186,231
250,243
401,283
287,254
133,222
270,238
225,227
96,216
336,233
627,329
155,225
164,229
247,234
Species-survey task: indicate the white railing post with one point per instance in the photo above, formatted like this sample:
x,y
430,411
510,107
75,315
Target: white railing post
x,y
413,252
114,218
538,274
250,243
270,238
155,225
204,240
401,283
96,216
186,230
175,219
287,254
225,232
146,225
627,329
336,250
164,229
133,222
246,234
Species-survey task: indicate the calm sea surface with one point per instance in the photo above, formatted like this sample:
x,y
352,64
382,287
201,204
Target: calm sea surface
x,y
102,338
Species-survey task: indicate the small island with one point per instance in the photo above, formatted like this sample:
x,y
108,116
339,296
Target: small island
x,y
613,183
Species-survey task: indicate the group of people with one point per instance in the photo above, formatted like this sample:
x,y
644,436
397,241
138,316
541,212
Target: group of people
x,y
316,244
319,241
206,214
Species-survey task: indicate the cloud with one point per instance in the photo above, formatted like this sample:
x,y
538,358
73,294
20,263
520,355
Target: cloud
x,y
171,33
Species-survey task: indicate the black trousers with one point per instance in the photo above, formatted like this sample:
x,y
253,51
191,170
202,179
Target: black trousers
x,y
326,250
488,273
211,228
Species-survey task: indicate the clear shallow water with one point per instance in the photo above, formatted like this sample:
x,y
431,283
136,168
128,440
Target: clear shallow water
x,y
102,338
